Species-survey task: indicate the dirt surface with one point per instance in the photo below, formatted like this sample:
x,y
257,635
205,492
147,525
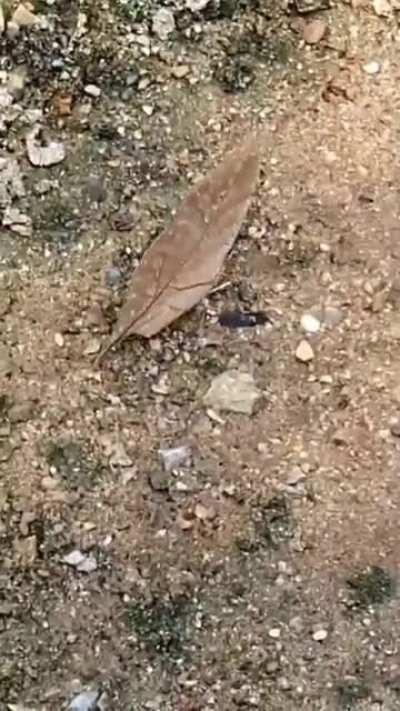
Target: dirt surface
x,y
261,572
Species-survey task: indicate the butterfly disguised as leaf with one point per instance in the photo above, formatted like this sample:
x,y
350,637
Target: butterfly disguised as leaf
x,y
182,265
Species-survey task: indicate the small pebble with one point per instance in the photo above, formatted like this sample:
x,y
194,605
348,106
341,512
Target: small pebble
x,y
88,565
180,71
74,558
274,633
59,340
272,667
310,323
92,347
283,683
320,635
92,90
295,477
112,276
304,352
372,68
314,31
48,483
196,5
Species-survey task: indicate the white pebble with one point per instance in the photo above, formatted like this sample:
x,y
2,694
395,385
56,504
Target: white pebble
x,y
275,633
92,90
310,323
59,340
372,68
320,635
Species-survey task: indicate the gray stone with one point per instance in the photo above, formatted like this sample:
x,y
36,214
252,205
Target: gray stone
x,y
88,565
85,701
163,23
74,558
233,391
113,276
92,90
175,456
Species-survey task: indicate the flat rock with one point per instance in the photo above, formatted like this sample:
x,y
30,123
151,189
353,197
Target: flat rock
x,y
233,391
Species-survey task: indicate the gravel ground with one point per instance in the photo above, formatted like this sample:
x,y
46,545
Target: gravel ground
x,y
159,552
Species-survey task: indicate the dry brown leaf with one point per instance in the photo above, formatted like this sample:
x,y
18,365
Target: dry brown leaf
x,y
183,263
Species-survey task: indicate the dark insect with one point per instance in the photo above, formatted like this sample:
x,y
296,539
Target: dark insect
x,y
243,319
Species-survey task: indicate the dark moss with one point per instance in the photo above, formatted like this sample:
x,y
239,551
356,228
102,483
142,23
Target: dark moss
x,y
74,463
275,523
55,221
373,586
134,10
300,255
270,526
235,75
161,626
349,693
